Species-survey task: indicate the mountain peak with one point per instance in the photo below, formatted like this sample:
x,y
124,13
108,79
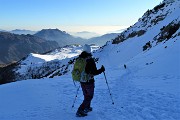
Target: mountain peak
x,y
59,36
50,29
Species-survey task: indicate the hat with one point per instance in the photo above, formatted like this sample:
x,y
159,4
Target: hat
x,y
87,48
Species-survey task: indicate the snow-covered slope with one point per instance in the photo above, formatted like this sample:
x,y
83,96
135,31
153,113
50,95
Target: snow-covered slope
x,y
144,31
144,90
148,89
54,63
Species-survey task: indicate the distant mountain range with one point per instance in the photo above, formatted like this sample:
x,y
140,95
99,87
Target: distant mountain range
x,y
61,37
14,47
42,41
101,40
64,38
85,34
19,31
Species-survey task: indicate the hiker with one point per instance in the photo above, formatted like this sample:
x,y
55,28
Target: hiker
x,y
88,86
124,66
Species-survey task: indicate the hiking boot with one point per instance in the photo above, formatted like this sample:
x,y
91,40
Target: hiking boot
x,y
81,113
86,110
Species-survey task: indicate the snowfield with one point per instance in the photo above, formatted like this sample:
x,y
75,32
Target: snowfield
x,y
142,91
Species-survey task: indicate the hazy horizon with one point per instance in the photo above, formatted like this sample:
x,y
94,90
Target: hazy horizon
x,y
99,16
99,29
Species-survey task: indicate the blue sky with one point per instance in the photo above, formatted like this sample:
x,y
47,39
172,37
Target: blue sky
x,y
72,15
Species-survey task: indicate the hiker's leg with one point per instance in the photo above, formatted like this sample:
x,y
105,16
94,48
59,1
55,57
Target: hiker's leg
x,y
88,92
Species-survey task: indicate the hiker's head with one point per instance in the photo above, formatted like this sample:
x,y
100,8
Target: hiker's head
x,y
87,48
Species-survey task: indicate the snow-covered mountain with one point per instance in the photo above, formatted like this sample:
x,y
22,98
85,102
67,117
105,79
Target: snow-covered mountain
x,y
148,88
58,62
36,66
164,18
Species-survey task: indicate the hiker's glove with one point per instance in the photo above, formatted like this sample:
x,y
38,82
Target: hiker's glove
x,y
102,68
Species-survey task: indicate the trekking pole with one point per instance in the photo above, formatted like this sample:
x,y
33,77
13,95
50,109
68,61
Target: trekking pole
x,y
108,88
74,83
75,96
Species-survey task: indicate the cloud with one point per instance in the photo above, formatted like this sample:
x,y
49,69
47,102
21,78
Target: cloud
x,y
95,29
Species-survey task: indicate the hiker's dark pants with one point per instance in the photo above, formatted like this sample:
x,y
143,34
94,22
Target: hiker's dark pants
x,y
88,92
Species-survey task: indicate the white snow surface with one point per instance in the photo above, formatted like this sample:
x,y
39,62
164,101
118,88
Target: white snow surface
x,y
148,89
61,54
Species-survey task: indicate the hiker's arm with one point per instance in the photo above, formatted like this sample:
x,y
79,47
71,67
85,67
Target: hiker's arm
x,y
91,68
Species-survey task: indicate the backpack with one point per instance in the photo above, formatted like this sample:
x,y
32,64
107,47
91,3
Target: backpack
x,y
78,72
